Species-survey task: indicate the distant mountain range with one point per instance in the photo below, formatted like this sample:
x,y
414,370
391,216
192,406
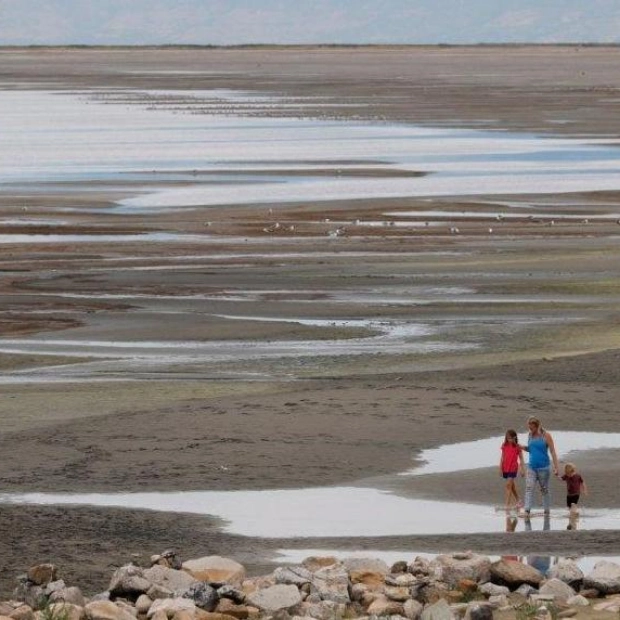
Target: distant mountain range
x,y
230,22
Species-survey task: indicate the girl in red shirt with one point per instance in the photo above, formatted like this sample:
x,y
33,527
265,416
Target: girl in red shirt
x,y
511,464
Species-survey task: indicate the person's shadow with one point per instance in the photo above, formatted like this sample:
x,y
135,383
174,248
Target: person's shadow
x,y
542,563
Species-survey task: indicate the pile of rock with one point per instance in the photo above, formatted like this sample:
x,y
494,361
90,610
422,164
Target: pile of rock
x,y
449,587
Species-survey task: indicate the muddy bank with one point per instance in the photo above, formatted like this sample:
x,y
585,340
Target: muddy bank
x,y
88,544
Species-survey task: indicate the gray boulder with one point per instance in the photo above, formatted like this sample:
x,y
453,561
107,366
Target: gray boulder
x,y
455,567
560,591
567,571
492,589
332,584
203,595
169,578
295,575
128,580
605,577
275,598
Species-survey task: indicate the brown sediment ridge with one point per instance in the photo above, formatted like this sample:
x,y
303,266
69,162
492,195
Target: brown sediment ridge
x,y
324,421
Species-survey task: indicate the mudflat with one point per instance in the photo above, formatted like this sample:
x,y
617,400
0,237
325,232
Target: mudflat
x,y
304,420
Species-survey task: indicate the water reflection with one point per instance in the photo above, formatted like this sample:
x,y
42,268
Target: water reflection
x,y
542,563
511,523
347,511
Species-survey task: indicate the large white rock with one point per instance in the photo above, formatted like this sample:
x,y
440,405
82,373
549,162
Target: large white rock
x,y
605,577
332,584
567,571
454,567
560,591
275,598
169,578
129,580
215,568
371,565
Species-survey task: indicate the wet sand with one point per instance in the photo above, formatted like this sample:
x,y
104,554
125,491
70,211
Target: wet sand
x,y
310,420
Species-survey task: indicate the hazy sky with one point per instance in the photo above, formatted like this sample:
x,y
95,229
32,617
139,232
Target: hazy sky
x,y
225,22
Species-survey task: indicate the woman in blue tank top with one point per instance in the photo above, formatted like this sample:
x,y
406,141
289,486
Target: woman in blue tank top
x,y
540,447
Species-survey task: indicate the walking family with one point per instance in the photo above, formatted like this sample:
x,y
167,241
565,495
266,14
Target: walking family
x,y
542,462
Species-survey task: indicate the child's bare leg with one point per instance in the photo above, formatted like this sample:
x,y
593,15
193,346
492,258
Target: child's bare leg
x,y
508,493
515,492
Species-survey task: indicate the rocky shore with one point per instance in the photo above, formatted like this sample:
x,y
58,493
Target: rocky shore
x,y
447,587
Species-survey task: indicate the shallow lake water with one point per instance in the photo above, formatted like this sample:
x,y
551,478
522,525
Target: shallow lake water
x,y
58,137
357,511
